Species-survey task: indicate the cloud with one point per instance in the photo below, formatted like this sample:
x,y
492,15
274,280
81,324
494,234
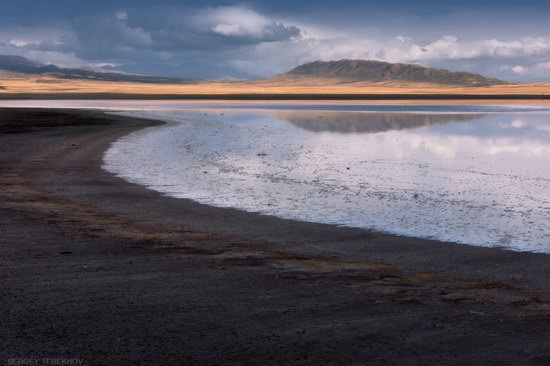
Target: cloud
x,y
110,31
520,69
403,38
543,66
238,21
451,48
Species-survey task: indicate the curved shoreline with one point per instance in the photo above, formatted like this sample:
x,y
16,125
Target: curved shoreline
x,y
184,151
59,200
317,239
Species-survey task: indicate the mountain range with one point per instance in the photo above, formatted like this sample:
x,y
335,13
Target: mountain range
x,y
22,65
327,72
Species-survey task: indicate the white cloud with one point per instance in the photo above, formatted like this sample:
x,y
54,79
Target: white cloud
x,y
450,47
237,21
122,15
17,42
240,21
519,69
403,38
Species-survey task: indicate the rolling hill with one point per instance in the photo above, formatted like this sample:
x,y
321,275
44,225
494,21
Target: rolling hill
x,y
355,71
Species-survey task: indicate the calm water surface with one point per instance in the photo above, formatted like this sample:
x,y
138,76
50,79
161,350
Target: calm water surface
x,y
475,174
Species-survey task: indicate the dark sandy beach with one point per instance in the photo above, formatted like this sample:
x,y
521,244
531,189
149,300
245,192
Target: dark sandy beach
x,y
100,269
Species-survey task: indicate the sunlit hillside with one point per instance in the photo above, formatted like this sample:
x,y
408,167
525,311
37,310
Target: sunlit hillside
x,y
11,83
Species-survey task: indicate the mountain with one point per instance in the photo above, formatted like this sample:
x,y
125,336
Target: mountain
x,y
23,65
353,71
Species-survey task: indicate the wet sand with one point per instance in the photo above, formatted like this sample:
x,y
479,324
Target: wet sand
x,y
101,269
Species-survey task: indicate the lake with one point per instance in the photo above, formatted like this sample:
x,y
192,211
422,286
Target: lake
x,y
467,173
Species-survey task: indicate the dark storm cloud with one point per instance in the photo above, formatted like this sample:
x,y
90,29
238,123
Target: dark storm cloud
x,y
175,30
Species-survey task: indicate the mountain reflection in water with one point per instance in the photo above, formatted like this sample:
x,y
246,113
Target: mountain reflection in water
x,y
371,122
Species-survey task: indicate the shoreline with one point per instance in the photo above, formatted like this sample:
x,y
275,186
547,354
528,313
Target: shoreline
x,y
236,222
135,176
340,284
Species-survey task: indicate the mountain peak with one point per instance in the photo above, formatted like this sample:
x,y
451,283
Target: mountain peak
x,y
9,62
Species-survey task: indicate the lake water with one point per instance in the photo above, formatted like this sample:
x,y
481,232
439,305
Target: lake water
x,y
474,174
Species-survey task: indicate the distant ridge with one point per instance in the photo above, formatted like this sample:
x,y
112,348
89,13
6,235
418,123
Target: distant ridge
x,y
352,71
23,65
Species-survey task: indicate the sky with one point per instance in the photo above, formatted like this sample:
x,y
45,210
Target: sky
x,y
228,40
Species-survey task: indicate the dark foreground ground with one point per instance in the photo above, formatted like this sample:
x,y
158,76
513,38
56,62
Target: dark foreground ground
x,y
99,269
